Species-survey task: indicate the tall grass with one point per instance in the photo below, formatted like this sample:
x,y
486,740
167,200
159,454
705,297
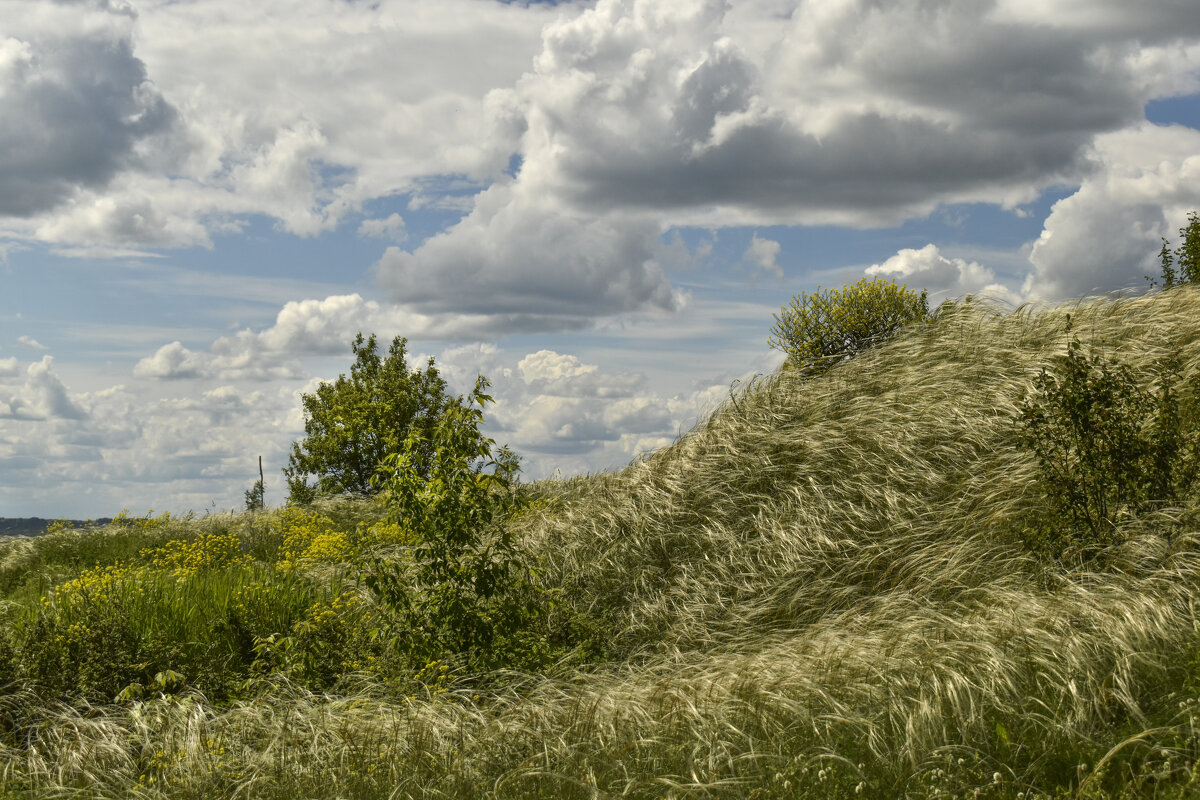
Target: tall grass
x,y
819,592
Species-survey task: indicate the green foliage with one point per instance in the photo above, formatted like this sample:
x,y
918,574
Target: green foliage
x,y
353,423
805,598
1166,257
199,605
817,331
465,590
1181,265
1107,449
1188,252
256,496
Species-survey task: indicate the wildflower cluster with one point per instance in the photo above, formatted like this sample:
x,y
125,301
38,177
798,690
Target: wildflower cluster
x,y
146,523
303,537
91,587
59,525
183,558
434,676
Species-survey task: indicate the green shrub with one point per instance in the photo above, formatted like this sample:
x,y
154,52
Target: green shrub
x,y
464,592
1181,265
1107,449
816,331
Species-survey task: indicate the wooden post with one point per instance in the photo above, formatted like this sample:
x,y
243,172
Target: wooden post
x,y
262,495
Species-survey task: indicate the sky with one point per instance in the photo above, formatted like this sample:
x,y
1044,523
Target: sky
x,y
598,205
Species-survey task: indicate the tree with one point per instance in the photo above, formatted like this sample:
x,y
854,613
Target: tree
x,y
464,592
1181,265
352,423
256,495
816,331
1187,255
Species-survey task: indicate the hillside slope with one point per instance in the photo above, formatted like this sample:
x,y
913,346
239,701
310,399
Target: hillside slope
x,y
845,550
820,591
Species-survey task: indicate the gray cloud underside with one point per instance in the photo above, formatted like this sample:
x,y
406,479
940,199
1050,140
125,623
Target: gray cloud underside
x,y
72,111
870,165
896,108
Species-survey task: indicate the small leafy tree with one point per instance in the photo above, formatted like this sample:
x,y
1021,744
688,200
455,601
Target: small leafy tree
x,y
1181,265
464,592
816,331
256,495
1188,253
1107,449
352,423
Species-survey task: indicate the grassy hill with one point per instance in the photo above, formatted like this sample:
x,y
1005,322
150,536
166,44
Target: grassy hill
x,y
821,591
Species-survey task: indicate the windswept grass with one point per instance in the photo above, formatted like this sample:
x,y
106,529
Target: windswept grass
x,y
821,591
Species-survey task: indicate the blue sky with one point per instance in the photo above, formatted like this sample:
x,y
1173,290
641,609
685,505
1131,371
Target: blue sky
x,y
598,205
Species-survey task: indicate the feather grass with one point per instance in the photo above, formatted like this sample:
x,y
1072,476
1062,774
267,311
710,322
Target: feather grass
x,y
820,591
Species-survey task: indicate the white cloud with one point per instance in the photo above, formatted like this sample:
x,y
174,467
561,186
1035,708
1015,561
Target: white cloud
x,y
300,111
391,227
640,115
101,253
531,265
547,366
133,446
140,451
764,111
630,117
173,361
1107,235
762,257
9,368
41,397
302,328
927,269
31,343
560,413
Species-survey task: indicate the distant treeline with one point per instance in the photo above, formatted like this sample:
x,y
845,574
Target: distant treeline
x,y
35,526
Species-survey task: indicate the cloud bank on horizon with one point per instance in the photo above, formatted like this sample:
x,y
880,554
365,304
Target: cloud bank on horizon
x,y
620,178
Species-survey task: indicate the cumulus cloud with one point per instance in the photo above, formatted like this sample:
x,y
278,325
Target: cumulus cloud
x,y
9,368
75,102
41,397
218,111
1106,236
629,117
178,446
846,112
519,258
927,269
639,115
139,450
391,227
561,413
173,361
302,328
761,257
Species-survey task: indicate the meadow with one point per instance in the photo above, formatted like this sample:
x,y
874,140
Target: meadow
x,y
825,589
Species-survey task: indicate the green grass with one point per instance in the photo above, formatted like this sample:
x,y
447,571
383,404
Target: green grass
x,y
820,591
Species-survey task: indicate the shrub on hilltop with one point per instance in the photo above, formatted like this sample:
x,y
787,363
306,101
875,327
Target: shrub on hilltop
x,y
817,331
